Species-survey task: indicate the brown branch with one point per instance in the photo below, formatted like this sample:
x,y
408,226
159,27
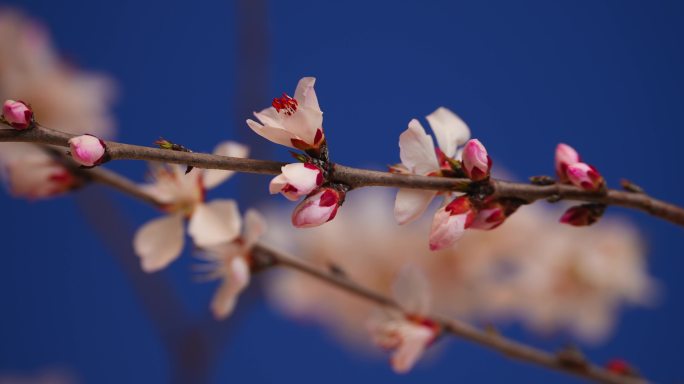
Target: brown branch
x,y
513,349
363,178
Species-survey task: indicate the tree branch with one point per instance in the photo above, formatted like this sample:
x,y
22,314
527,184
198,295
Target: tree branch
x,y
357,178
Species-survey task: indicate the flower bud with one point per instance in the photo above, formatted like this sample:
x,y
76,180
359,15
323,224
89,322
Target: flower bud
x,y
583,215
476,162
621,367
18,114
493,212
87,150
565,156
585,176
297,180
450,223
318,208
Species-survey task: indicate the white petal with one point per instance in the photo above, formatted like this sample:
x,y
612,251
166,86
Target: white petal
x,y
411,203
299,176
159,242
270,116
277,184
255,227
304,123
449,130
417,150
415,339
224,300
411,289
213,177
305,93
214,223
274,134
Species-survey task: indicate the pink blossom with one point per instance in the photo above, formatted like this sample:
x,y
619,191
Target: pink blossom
x,y
565,156
296,180
450,223
318,208
87,150
585,176
37,176
295,122
18,114
476,162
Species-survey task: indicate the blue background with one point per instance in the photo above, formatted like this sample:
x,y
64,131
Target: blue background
x,y
605,76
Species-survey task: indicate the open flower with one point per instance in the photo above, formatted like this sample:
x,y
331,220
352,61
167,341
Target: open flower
x,y
450,223
406,335
160,241
297,180
230,263
317,209
419,156
293,122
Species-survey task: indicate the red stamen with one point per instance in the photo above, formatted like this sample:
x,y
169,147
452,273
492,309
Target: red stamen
x,y
286,104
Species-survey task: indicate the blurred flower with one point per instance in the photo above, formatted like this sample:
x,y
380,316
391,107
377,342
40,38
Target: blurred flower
x,y
317,209
17,114
551,277
293,122
34,175
230,263
476,161
407,336
419,156
62,97
160,241
87,150
296,180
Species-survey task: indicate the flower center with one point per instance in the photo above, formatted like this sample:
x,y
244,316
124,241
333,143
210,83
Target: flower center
x,y
285,104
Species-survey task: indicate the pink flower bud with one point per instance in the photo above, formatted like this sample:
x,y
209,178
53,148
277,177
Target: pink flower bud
x,y
585,176
297,180
318,208
476,162
489,218
583,215
87,150
18,114
565,156
450,223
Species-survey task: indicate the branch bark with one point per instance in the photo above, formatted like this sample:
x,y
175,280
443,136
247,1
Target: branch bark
x,y
357,178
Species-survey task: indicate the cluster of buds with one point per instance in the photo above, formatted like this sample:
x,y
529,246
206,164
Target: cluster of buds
x,y
18,114
571,170
464,212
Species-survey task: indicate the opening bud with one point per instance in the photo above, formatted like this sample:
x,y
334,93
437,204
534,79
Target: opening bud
x,y
87,150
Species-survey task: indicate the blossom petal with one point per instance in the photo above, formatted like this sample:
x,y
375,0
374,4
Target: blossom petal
x,y
449,130
417,150
411,289
159,242
213,177
306,95
274,134
414,342
214,223
224,300
255,227
411,203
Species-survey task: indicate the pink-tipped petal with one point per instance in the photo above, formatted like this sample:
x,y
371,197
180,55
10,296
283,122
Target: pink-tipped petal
x,y
317,209
450,223
585,176
296,180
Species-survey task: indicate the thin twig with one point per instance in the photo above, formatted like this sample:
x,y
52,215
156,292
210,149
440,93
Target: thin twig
x,y
356,178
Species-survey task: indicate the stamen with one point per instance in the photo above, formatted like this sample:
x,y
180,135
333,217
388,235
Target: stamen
x,y
286,104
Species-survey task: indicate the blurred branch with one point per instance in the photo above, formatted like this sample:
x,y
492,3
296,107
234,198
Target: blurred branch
x,y
572,363
356,178
576,365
